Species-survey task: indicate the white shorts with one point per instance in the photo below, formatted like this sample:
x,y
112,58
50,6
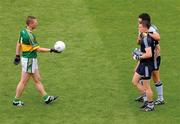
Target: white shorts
x,y
29,64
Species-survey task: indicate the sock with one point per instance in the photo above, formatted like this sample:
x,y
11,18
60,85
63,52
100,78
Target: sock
x,y
45,97
16,99
141,82
151,104
159,89
144,97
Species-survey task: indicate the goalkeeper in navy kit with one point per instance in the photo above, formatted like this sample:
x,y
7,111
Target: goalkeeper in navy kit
x,y
145,65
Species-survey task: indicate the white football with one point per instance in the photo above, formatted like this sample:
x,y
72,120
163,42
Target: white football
x,y
59,46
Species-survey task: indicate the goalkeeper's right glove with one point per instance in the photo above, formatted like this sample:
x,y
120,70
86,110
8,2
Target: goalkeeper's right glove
x,y
17,60
137,54
136,57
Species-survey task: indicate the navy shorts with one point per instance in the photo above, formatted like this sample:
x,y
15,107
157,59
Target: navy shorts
x,y
157,63
145,71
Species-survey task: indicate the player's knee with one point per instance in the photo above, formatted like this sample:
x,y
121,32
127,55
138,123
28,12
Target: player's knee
x,y
134,82
37,80
23,83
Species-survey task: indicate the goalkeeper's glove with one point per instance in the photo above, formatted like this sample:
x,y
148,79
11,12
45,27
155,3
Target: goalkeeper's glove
x,y
137,54
17,60
54,51
136,57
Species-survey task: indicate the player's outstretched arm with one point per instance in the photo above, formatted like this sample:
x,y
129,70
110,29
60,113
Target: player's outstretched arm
x,y
41,49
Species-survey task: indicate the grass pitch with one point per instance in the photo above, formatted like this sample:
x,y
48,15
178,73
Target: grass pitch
x,y
93,75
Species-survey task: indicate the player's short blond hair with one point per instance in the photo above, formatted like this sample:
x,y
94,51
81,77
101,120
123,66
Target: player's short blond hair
x,y
30,19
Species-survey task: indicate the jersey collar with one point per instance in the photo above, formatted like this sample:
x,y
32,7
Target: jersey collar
x,y
28,29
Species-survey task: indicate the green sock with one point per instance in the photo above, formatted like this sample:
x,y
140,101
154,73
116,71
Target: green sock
x,y
16,99
45,97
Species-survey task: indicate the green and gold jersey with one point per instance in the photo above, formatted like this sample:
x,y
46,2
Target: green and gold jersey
x,y
28,44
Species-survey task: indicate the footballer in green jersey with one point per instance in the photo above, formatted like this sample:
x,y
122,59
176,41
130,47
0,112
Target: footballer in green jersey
x,y
28,47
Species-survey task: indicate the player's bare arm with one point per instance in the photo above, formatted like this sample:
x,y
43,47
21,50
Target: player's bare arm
x,y
18,48
148,53
41,49
155,36
17,57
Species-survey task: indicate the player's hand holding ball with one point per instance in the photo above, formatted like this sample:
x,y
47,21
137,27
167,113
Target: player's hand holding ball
x,y
54,51
136,54
59,46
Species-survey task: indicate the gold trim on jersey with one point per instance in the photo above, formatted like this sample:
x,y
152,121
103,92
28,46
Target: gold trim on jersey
x,y
36,47
26,48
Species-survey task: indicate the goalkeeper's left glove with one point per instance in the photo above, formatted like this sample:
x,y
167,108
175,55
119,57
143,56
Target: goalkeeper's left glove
x,y
54,50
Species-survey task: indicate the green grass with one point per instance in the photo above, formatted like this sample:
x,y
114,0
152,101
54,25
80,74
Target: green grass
x,y
93,75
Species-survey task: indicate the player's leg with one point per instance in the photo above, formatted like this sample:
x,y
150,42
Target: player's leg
x,y
25,75
37,80
20,87
149,106
136,82
159,87
149,94
142,97
157,81
39,86
148,90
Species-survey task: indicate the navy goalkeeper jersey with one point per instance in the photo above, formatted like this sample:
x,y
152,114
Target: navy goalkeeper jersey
x,y
146,42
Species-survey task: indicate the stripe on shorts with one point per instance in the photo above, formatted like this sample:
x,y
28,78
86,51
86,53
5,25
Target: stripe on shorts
x,y
146,71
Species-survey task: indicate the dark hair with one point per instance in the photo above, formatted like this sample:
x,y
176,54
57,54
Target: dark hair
x,y
145,16
30,19
145,23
